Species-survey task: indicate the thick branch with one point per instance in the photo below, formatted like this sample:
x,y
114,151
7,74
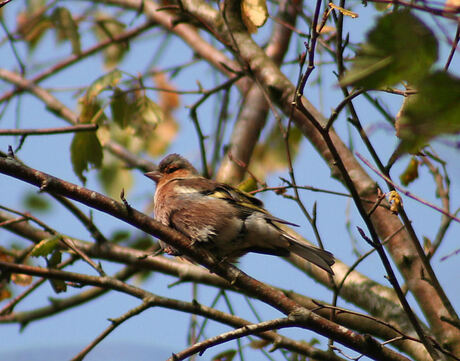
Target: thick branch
x,y
254,110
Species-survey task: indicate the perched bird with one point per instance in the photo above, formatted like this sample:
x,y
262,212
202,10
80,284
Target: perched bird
x,y
224,220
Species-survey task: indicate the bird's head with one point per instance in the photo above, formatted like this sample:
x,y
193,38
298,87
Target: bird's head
x,y
172,166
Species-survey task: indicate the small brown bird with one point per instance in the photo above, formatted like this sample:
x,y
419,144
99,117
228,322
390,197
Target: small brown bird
x,y
226,221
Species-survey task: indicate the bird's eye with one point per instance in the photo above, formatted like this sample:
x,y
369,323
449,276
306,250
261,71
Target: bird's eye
x,y
171,169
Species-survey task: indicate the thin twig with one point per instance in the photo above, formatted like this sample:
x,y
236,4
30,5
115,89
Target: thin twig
x,y
421,253
449,13
361,259
406,192
115,322
374,236
13,221
403,336
69,243
86,221
443,191
194,116
453,48
46,131
202,346
335,113
12,40
74,58
65,240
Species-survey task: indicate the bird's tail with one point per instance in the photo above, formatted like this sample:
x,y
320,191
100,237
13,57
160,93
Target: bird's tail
x,y
323,259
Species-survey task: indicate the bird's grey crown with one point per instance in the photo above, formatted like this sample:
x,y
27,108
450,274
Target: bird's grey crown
x,y
174,162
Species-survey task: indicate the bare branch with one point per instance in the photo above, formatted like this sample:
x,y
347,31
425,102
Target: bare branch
x,y
47,131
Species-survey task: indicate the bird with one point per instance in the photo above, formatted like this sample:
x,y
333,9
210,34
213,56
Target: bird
x,y
226,221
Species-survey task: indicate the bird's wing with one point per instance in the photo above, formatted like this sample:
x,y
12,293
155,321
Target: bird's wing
x,y
245,202
214,189
237,196
251,203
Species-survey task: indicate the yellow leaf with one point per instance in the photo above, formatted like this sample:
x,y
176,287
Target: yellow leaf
x,y
259,344
103,134
452,5
228,355
382,6
344,11
120,107
396,202
427,245
32,27
4,257
5,293
326,29
21,279
57,285
254,14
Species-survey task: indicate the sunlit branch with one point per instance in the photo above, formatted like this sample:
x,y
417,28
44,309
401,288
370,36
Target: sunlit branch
x,y
47,131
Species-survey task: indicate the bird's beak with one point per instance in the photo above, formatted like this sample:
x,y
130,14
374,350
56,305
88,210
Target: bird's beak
x,y
154,175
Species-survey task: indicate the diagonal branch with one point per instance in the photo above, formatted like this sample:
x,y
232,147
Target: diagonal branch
x,y
370,293
266,294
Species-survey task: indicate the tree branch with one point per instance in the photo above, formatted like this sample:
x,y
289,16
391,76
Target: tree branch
x,y
264,293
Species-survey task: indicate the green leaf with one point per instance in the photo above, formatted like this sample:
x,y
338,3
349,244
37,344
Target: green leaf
x,y
114,177
228,355
85,151
120,235
381,6
35,202
46,246
105,81
33,22
66,28
141,243
149,111
120,107
248,185
91,111
55,259
435,110
107,28
410,173
270,156
57,285
400,47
